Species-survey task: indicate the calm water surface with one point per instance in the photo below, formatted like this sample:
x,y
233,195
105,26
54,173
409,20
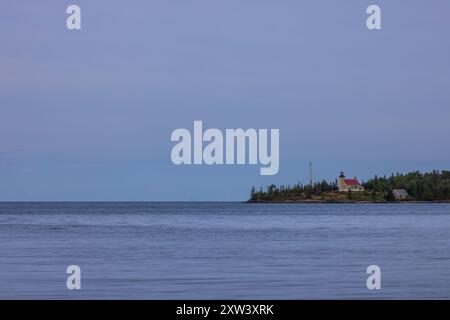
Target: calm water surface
x,y
224,250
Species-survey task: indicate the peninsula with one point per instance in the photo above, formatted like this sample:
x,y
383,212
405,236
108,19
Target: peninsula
x,y
414,186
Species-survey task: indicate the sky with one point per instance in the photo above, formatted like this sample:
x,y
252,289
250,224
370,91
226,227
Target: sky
x,y
87,115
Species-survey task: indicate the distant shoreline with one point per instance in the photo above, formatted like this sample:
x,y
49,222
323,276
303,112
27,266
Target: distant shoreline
x,y
414,187
344,202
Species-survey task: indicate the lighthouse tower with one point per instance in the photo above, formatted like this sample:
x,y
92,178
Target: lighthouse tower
x,y
341,182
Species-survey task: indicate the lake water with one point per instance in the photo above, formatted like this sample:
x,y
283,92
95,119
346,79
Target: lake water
x,y
224,250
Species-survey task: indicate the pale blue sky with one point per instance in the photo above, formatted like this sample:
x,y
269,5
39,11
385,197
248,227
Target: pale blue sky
x,y
87,115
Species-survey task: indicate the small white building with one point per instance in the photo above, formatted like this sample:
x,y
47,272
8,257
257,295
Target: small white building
x,y
349,184
401,194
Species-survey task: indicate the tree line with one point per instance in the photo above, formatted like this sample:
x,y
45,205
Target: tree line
x,y
429,186
298,190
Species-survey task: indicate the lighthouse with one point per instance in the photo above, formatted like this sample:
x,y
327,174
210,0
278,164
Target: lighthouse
x,y
349,184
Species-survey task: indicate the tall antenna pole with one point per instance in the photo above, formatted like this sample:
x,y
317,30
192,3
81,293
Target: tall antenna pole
x,y
310,174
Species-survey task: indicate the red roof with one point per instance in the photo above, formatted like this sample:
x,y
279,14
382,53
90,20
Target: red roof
x,y
351,182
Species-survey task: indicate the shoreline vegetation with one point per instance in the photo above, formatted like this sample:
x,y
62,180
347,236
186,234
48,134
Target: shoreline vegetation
x,y
431,186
